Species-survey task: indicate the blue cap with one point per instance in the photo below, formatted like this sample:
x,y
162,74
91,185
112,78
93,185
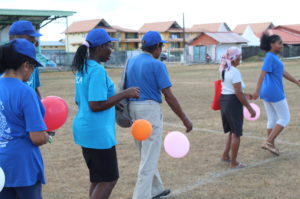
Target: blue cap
x,y
23,28
25,47
152,38
98,36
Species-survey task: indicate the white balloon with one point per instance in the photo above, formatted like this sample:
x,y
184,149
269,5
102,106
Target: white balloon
x,y
2,179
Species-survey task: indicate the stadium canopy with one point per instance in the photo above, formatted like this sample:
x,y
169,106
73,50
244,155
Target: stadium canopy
x,y
39,18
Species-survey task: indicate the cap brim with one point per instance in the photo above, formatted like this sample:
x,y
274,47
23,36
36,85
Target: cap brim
x,y
35,34
113,39
38,63
163,41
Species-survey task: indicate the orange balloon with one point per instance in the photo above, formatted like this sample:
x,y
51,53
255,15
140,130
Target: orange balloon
x,y
141,129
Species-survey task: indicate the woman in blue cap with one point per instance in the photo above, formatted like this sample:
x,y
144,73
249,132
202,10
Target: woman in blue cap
x,y
22,127
94,124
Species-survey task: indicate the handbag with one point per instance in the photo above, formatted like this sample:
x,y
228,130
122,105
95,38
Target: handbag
x,y
123,119
216,102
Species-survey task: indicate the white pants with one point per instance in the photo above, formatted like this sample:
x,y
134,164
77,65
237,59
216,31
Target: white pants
x,y
277,110
148,183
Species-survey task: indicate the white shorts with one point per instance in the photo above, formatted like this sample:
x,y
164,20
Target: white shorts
x,y
277,110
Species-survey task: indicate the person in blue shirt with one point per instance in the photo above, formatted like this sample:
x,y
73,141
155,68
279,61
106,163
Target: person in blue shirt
x,y
22,127
94,123
48,64
151,76
270,89
24,29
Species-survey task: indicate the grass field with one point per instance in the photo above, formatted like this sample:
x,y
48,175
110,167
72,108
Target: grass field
x,y
199,174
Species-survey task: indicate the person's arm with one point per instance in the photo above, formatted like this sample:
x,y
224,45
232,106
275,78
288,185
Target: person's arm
x,y
241,96
289,77
96,106
38,93
39,138
176,108
260,80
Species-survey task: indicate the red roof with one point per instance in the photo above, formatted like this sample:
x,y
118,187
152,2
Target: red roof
x,y
255,27
219,37
288,37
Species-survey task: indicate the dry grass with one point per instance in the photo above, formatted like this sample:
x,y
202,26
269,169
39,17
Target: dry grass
x,y
199,174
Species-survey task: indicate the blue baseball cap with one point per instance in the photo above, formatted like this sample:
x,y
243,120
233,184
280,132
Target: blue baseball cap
x,y
23,28
25,47
152,38
98,36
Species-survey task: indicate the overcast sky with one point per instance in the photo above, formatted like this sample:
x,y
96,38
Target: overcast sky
x,y
134,13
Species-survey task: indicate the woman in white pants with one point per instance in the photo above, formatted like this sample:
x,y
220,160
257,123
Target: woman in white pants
x,y
270,89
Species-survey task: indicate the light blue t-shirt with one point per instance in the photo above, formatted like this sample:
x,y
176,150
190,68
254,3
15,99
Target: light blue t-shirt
x,y
94,130
149,74
21,112
34,80
272,86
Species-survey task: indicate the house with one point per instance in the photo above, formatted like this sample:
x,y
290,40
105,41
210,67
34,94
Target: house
x,y
214,44
255,27
78,31
128,38
213,27
290,35
171,32
53,46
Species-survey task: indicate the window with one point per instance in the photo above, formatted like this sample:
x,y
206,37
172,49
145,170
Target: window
x,y
126,45
186,35
83,35
136,45
55,46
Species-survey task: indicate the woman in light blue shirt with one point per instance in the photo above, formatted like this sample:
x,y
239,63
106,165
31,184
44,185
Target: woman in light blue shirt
x,y
270,89
94,124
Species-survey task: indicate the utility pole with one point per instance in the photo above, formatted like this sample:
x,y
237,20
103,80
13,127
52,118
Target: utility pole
x,y
184,63
183,32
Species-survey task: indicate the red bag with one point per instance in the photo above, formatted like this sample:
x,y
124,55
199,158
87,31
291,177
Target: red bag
x,y
216,103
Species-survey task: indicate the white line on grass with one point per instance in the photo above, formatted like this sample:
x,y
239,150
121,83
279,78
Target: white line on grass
x,y
219,132
222,174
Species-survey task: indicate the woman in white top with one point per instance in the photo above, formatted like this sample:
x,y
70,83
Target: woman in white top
x,y
231,103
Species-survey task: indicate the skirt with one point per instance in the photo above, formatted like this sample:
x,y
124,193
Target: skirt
x,y
102,164
232,114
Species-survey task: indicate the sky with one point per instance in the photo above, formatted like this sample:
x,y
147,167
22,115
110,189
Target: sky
x,y
133,14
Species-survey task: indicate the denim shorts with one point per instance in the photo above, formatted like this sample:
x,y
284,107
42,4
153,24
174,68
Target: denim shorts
x,y
32,192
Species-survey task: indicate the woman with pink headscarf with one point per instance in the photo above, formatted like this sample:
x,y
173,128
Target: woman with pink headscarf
x,y
231,104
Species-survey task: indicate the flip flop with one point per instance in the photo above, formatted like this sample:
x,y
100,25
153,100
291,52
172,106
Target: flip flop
x,y
239,167
228,161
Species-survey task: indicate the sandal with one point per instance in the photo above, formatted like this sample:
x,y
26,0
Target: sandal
x,y
239,167
272,150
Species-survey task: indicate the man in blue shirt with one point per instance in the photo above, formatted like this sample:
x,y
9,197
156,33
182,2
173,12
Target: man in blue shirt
x,y
24,29
151,76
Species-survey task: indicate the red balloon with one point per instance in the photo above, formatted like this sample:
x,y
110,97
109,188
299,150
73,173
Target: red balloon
x,y
56,112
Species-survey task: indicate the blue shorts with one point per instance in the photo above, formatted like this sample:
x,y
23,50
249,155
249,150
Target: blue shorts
x,y
32,192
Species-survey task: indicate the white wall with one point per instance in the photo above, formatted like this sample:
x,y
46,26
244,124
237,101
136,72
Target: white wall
x,y
221,49
4,35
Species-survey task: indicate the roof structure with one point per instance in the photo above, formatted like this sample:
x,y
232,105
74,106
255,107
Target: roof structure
x,y
118,28
160,27
88,25
255,27
52,43
38,18
212,27
249,35
291,28
288,37
219,37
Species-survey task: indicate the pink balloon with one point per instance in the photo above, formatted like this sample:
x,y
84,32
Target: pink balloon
x,y
176,144
247,114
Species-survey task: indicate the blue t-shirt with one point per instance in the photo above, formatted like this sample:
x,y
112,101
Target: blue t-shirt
x,y
94,130
149,74
21,112
34,80
272,86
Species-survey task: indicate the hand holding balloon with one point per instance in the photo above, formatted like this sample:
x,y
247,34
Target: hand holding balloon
x,y
252,113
